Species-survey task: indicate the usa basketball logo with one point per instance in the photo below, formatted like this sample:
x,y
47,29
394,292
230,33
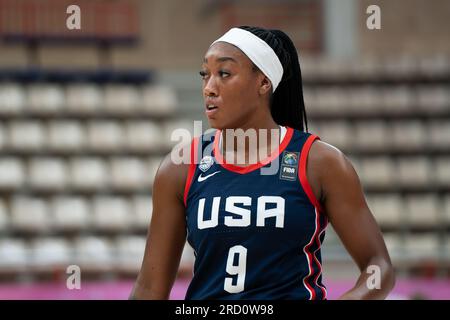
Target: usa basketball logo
x,y
206,163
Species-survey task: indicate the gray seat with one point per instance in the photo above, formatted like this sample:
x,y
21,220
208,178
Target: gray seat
x,y
66,135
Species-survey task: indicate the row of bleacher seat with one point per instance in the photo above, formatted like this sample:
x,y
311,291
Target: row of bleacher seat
x,y
147,135
384,135
88,252
372,99
122,213
126,252
407,248
137,173
78,173
99,135
375,67
420,210
75,213
418,171
160,100
86,98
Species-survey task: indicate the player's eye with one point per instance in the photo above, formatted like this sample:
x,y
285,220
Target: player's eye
x,y
224,74
203,74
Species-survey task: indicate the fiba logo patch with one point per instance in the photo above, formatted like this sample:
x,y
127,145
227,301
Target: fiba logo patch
x,y
206,163
290,158
289,166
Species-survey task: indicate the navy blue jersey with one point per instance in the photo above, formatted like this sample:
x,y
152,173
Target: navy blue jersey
x,y
255,236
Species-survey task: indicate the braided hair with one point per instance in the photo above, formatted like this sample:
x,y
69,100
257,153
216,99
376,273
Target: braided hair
x,y
286,103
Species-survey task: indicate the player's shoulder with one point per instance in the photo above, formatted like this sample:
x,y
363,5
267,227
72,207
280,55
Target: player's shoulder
x,y
325,151
174,166
177,162
327,159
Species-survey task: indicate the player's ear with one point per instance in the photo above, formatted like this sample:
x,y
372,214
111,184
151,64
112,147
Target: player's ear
x,y
265,85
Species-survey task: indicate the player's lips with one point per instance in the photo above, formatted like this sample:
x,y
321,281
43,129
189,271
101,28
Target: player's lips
x,y
210,109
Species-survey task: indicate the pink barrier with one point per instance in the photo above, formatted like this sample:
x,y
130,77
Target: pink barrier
x,y
119,290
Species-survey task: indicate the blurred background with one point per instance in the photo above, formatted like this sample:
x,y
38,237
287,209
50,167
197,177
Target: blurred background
x,y
86,116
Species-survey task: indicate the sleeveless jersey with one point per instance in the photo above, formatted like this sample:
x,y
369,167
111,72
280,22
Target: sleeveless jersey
x,y
256,231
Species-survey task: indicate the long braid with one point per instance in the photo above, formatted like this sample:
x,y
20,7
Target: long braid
x,y
287,104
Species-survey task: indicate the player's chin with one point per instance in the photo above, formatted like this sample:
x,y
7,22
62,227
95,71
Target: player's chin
x,y
216,123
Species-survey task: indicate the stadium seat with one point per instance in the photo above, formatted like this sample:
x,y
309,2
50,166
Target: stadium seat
x,y
122,99
48,173
129,173
414,171
439,134
84,98
397,99
12,173
89,173
422,210
422,246
433,98
364,100
387,209
51,252
331,99
373,135
158,100
378,172
70,213
338,133
46,98
143,207
409,135
66,135
130,252
14,254
143,136
12,98
27,135
30,215
111,214
105,135
93,252
442,171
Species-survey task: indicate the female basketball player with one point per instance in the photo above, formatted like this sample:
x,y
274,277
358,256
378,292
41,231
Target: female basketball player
x,y
256,235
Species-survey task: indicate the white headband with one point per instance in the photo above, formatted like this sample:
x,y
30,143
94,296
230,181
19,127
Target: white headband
x,y
261,54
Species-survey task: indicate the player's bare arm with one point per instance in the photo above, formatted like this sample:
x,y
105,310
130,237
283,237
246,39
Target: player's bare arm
x,y
166,234
336,184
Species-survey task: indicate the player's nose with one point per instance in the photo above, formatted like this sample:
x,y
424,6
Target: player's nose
x,y
210,89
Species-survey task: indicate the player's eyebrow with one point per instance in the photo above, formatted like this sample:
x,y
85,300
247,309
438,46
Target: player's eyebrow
x,y
221,59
